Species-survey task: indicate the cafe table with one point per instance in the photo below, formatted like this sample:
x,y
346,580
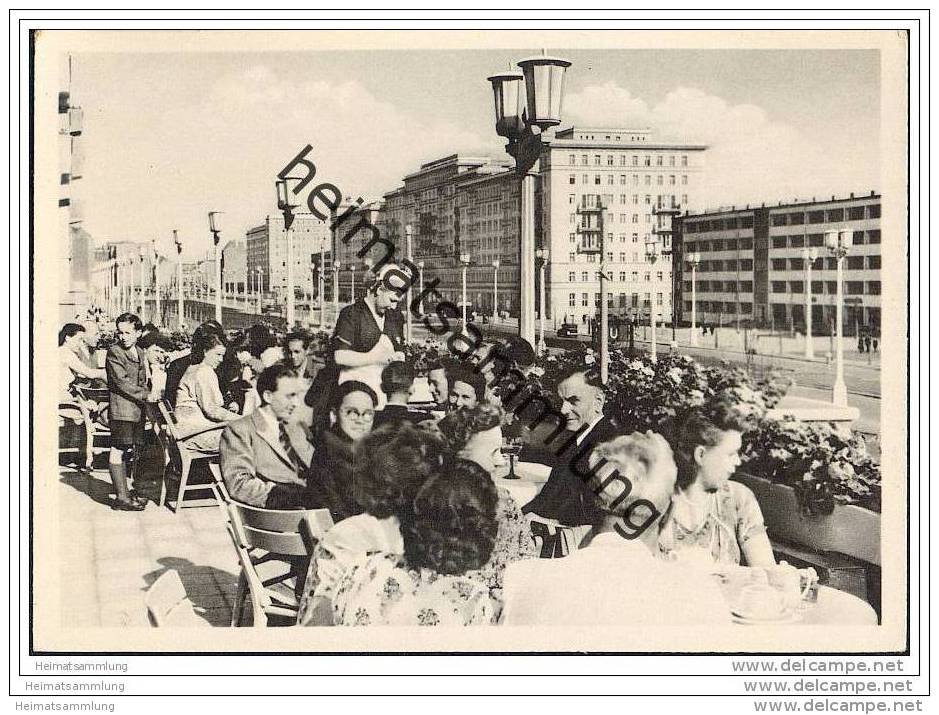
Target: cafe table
x,y
832,608
531,477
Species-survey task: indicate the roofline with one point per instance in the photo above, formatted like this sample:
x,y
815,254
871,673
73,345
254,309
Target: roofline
x,y
779,206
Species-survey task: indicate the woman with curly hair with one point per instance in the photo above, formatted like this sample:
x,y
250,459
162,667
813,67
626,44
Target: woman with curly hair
x,y
448,534
475,435
391,464
713,521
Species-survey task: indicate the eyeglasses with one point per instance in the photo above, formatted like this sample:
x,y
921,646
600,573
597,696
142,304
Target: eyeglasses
x,y
358,414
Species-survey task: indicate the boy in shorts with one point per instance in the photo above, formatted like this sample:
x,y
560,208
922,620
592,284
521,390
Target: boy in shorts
x,y
127,371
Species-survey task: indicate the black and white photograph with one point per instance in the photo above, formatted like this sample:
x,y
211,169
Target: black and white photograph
x,y
446,341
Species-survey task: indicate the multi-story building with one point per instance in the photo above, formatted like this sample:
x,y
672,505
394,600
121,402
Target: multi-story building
x,y
752,268
234,267
76,252
641,183
266,249
470,205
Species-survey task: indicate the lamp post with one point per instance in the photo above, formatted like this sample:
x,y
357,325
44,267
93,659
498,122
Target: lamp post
x,y
336,266
838,244
156,283
693,260
287,202
495,291
143,305
543,254
321,286
420,273
215,227
260,291
352,282
652,255
464,261
407,311
521,117
809,255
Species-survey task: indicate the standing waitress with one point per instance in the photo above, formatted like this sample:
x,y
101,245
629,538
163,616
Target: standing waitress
x,y
368,335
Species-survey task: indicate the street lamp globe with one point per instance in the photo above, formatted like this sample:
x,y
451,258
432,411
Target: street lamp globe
x,y
507,91
215,223
465,259
420,265
495,264
694,259
544,89
652,250
542,254
337,265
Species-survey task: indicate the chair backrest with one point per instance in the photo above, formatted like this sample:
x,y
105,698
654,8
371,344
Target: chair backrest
x,y
289,532
220,487
168,605
167,421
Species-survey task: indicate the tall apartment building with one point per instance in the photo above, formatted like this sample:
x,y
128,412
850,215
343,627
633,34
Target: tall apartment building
x,y
234,266
266,249
752,270
641,184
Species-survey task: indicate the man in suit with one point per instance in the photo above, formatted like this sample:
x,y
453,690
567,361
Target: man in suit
x,y
265,455
566,497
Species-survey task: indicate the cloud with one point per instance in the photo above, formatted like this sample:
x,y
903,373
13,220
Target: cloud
x,y
751,156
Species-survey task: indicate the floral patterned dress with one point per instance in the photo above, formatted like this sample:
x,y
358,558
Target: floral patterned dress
x,y
513,543
382,590
733,518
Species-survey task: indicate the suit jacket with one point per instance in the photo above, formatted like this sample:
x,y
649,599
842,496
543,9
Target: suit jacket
x,y
255,467
566,496
127,382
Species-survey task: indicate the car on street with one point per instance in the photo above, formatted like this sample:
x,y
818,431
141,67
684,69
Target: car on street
x,y
568,330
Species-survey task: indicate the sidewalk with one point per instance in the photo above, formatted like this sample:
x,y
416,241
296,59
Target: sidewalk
x,y
110,558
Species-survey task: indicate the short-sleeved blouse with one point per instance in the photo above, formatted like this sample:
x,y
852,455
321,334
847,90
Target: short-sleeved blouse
x,y
382,590
734,517
197,396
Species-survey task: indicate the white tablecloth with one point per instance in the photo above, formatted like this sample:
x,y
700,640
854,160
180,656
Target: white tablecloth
x,y
531,478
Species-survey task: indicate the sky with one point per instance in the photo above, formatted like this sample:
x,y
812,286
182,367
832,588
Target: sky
x,y
169,137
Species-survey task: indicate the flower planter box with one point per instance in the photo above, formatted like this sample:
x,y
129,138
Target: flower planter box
x,y
849,529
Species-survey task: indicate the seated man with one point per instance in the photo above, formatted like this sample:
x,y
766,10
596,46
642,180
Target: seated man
x,y
615,578
565,497
265,455
396,381
299,358
467,388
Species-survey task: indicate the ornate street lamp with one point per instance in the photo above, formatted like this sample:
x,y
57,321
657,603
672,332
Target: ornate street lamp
x,y
809,256
652,255
287,201
215,226
543,254
156,283
408,308
522,115
260,290
420,273
464,261
143,306
838,244
694,259
495,291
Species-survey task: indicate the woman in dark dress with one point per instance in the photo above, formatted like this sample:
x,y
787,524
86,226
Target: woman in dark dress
x,y
329,484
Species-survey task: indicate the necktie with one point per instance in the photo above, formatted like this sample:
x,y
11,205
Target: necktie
x,y
288,447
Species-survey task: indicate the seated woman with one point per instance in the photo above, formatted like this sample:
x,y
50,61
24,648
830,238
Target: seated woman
x,y
238,376
200,411
330,481
475,434
392,463
448,534
713,521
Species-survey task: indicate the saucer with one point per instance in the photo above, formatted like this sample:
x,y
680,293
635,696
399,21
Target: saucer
x,y
782,618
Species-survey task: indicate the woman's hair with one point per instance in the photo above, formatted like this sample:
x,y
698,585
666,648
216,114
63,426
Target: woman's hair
x,y
259,340
701,426
460,425
471,378
391,465
452,526
203,345
340,391
69,330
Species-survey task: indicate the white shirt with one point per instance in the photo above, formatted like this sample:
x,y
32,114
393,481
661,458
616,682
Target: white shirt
x,y
613,581
583,435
